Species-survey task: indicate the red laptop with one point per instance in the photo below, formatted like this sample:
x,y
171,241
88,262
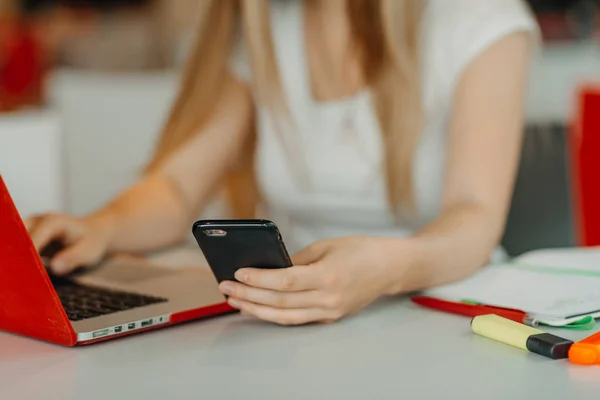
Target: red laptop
x,y
122,297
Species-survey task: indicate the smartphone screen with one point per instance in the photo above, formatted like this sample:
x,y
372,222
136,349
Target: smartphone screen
x,y
229,245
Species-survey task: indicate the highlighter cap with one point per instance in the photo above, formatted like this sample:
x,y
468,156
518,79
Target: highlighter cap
x,y
584,354
549,345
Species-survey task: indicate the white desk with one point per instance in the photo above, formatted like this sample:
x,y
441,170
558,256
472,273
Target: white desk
x,y
393,350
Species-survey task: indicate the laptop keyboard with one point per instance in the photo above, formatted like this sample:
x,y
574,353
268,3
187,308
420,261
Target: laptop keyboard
x,y
83,302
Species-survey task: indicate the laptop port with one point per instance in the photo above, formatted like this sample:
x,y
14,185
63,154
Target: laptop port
x,y
101,333
147,322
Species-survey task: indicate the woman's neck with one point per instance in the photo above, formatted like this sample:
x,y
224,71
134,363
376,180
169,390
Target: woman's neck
x,y
334,67
329,7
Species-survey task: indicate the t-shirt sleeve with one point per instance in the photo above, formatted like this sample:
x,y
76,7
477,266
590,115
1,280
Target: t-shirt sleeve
x,y
466,28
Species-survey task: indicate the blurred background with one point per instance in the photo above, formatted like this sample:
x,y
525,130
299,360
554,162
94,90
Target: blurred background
x,y
85,86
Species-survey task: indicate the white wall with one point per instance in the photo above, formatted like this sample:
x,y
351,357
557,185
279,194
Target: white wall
x,y
31,161
110,124
555,76
110,127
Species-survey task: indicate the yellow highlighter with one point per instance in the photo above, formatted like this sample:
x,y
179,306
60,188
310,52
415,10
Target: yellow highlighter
x,y
522,336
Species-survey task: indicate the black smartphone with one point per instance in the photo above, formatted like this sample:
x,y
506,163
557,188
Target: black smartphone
x,y
229,245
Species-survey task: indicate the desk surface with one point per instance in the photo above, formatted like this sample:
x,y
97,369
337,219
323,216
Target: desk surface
x,y
392,350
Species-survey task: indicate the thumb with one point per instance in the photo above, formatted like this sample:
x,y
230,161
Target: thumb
x,y
81,254
310,254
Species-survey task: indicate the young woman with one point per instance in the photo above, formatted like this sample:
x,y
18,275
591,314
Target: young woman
x,y
384,137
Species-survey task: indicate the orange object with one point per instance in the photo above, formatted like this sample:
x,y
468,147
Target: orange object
x,y
586,351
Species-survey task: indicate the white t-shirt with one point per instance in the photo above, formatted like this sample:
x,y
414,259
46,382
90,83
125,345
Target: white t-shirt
x,y
332,184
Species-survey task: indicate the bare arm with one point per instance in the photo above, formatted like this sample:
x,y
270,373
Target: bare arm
x,y
157,211
483,154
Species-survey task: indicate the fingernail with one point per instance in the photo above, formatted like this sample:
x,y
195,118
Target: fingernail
x,y
240,275
234,303
226,288
58,266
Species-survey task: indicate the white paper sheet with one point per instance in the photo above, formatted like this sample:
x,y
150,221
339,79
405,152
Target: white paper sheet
x,y
587,259
542,294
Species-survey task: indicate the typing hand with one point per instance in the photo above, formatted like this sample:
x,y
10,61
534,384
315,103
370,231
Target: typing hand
x,y
329,280
66,243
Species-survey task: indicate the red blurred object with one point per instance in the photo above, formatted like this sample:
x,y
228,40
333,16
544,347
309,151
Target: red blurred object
x,y
585,162
556,26
22,66
470,310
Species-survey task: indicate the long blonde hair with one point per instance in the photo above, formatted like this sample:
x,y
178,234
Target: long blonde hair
x,y
387,33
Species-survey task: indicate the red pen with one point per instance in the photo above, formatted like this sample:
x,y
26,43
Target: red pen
x,y
474,310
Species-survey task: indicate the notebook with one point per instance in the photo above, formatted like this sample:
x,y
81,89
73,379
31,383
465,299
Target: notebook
x,y
556,287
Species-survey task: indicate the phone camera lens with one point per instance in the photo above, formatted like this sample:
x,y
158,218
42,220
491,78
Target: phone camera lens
x,y
215,232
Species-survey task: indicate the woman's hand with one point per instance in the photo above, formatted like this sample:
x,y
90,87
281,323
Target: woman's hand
x,y
86,239
329,280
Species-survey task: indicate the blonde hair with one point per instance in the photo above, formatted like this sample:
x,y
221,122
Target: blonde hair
x,y
387,33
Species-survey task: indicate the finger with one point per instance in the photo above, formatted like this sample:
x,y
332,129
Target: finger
x,y
293,279
82,254
47,230
295,316
32,222
273,298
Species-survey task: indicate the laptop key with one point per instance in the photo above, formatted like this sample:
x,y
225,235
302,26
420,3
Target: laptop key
x,y
74,317
83,302
89,314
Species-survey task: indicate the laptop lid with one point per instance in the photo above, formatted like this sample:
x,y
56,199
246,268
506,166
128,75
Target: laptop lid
x,y
29,304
